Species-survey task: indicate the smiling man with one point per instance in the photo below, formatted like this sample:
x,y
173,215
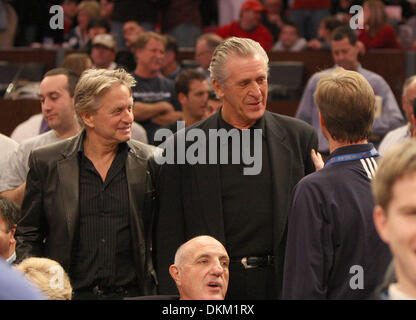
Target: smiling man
x,y
248,213
56,95
92,212
394,189
200,270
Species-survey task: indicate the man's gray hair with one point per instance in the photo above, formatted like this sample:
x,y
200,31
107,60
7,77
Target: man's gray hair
x,y
241,47
93,84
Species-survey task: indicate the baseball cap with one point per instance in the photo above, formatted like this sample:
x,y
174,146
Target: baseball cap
x,y
106,40
252,5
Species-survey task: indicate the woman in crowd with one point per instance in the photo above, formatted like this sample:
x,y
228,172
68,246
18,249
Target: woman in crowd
x,y
377,33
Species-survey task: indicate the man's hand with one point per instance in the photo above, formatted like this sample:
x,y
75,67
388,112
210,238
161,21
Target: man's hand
x,y
16,195
314,44
143,111
317,160
167,118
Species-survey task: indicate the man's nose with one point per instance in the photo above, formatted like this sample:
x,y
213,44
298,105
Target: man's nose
x,y
128,116
47,104
217,269
255,90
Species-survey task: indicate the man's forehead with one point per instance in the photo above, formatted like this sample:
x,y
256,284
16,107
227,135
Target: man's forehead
x,y
153,42
238,63
343,43
54,83
197,84
206,247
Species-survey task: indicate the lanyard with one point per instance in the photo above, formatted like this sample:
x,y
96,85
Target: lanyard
x,y
352,156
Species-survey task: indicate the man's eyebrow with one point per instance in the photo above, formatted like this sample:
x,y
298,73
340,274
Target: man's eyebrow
x,y
406,208
204,255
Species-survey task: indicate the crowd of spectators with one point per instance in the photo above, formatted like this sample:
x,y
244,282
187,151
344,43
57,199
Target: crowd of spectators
x,y
386,24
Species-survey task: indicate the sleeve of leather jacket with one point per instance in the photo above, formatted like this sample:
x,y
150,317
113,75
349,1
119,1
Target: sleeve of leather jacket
x,y
31,228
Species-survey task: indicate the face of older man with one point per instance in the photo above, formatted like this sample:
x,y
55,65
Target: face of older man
x,y
203,273
112,122
244,93
151,57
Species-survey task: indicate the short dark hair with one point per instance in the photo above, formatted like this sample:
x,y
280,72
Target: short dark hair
x,y
172,45
184,78
99,23
342,32
70,75
290,24
9,212
331,23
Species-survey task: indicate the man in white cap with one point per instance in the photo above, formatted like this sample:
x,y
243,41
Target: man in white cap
x,y
103,52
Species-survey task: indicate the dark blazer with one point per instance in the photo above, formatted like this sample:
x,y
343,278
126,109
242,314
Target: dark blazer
x,y
190,195
50,206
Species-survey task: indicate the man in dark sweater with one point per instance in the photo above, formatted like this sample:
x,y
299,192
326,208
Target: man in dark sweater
x,y
333,250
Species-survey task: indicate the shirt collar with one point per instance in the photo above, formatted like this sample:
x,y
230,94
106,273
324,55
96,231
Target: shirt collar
x,y
12,258
354,148
80,150
359,67
260,124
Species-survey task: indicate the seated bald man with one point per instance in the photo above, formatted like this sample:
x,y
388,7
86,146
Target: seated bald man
x,y
200,270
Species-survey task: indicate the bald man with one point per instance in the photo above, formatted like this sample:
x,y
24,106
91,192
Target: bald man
x,y
200,270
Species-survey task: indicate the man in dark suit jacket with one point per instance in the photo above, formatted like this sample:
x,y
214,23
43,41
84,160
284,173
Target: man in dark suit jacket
x,y
245,211
88,200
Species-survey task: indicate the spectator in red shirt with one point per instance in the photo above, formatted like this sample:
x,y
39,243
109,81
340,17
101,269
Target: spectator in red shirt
x,y
377,33
249,25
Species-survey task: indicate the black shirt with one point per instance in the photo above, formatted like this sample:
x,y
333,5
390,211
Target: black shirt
x,y
246,201
103,249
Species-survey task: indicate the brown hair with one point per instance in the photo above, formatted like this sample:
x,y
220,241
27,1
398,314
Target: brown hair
x,y
346,103
146,36
378,16
399,161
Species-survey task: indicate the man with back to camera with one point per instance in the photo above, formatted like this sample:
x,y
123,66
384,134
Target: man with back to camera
x,y
331,239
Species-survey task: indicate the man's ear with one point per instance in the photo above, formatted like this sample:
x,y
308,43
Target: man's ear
x,y
12,232
218,89
182,98
175,274
88,118
380,222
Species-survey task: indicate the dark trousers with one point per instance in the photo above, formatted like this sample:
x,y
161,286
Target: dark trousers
x,y
251,284
114,294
